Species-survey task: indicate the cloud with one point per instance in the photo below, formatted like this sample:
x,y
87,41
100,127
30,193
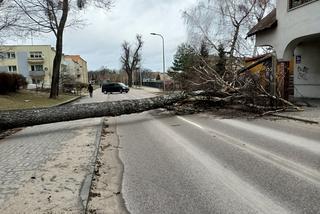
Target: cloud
x,y
100,41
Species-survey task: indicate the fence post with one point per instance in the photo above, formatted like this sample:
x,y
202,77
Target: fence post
x,y
273,81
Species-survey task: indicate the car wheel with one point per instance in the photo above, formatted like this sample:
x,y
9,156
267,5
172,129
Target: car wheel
x,y
121,91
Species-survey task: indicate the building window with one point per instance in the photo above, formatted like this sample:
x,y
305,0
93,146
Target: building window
x,y
7,55
36,67
36,55
11,55
297,3
12,68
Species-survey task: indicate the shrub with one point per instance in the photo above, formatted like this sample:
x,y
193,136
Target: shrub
x,y
74,87
11,82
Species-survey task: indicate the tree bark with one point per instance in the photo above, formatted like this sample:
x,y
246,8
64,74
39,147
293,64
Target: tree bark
x,y
234,40
54,92
129,79
31,117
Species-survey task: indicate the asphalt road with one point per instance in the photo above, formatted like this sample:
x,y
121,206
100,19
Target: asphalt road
x,y
206,164
134,93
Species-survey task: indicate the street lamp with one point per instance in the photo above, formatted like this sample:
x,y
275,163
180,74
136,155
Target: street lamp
x,y
163,59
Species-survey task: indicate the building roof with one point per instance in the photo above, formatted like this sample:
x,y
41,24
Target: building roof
x,y
76,58
267,22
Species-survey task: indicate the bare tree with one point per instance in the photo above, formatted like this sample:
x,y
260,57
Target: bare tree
x,y
8,19
130,59
51,16
238,14
225,22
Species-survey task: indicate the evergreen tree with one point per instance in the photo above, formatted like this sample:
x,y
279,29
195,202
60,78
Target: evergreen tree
x,y
158,77
185,58
221,64
204,51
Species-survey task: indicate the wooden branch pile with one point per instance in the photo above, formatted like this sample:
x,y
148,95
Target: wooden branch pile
x,y
241,88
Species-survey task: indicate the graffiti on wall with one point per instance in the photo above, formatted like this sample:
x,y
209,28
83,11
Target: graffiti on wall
x,y
303,72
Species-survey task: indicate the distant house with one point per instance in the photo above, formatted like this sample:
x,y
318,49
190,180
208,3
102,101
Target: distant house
x,y
35,62
293,31
78,67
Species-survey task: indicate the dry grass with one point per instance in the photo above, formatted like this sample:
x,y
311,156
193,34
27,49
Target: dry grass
x,y
30,99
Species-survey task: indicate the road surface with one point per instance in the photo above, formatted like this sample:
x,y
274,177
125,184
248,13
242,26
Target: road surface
x,y
172,164
207,164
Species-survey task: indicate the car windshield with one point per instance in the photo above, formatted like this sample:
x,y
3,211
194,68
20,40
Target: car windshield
x,y
123,85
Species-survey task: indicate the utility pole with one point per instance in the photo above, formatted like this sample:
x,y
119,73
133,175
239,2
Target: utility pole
x,y
163,60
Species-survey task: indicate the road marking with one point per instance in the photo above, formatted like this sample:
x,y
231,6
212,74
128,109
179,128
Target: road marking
x,y
234,184
287,165
190,122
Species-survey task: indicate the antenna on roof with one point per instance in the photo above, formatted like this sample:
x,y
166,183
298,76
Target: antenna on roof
x,y
31,37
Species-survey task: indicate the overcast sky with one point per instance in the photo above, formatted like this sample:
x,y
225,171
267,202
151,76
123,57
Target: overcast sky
x,y
99,42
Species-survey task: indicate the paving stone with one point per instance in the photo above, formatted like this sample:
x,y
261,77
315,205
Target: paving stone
x,y
28,150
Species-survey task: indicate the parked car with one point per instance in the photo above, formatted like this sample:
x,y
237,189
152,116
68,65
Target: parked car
x,y
114,87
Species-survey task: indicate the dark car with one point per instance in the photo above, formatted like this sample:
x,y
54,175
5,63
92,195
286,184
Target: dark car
x,y
114,87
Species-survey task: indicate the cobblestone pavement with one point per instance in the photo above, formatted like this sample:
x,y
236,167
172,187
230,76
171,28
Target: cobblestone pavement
x,y
22,154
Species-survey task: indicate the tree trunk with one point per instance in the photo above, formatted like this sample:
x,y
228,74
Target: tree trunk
x,y
54,92
234,40
129,79
31,117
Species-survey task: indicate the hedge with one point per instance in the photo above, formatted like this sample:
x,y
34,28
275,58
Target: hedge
x,y
11,82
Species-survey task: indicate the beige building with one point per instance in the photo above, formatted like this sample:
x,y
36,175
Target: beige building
x,y
35,62
78,67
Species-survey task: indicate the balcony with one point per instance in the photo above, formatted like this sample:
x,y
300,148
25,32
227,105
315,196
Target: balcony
x,y
33,60
36,73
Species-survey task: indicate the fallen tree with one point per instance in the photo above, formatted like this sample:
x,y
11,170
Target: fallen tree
x,y
31,117
240,87
252,90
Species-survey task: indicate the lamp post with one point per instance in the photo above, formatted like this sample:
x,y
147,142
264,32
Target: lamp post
x,y
163,59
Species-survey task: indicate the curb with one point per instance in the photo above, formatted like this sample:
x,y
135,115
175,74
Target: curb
x,y
296,118
68,101
86,184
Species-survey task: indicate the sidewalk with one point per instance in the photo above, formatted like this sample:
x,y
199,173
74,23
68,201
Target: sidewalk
x,y
48,168
310,114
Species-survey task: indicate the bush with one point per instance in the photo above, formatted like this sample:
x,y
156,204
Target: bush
x,y
11,82
74,87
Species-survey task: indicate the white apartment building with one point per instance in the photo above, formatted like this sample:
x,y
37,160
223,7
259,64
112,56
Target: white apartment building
x,y
293,31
